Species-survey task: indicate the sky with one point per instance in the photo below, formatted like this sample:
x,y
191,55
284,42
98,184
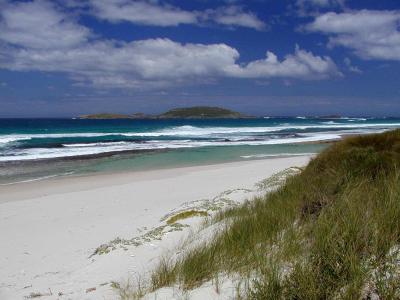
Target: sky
x,y
261,57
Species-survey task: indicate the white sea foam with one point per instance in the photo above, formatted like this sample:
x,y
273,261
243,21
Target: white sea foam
x,y
353,119
185,137
193,131
89,149
276,155
95,144
4,139
37,179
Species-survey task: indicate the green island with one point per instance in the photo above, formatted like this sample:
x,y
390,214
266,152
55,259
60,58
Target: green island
x,y
331,231
196,112
201,112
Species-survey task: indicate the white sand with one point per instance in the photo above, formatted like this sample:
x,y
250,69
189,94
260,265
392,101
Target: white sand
x,y
50,228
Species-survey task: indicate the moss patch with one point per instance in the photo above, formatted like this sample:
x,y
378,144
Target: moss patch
x,y
185,215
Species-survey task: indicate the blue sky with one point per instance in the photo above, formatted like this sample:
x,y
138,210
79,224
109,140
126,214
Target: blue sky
x,y
269,57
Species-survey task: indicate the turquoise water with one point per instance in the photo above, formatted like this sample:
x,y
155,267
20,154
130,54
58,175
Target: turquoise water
x,y
37,170
31,149
202,156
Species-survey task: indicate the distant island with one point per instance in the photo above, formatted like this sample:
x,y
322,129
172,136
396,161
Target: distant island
x,y
196,112
201,112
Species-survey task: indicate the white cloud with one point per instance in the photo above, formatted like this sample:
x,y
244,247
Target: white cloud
x,y
158,14
301,64
141,12
320,3
151,63
314,7
233,16
371,34
162,62
39,25
350,66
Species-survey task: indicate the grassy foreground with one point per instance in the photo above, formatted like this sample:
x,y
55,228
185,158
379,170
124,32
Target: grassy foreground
x,y
330,232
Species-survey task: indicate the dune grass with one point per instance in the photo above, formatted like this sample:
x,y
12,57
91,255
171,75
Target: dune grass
x,y
330,232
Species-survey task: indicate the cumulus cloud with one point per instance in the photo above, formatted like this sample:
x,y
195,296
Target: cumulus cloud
x,y
162,62
151,63
301,64
39,25
370,34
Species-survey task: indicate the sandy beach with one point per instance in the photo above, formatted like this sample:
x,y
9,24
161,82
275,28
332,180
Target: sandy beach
x,y
51,228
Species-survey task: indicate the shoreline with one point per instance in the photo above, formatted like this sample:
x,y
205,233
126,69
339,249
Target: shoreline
x,y
19,172
110,154
53,226
23,190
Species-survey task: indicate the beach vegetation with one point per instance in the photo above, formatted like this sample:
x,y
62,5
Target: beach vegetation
x,y
34,295
185,215
130,290
331,231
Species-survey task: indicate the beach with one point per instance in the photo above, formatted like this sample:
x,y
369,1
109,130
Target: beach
x,y
89,205
51,228
195,150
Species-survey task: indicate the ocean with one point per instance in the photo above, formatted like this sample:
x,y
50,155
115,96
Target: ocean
x,y
32,149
